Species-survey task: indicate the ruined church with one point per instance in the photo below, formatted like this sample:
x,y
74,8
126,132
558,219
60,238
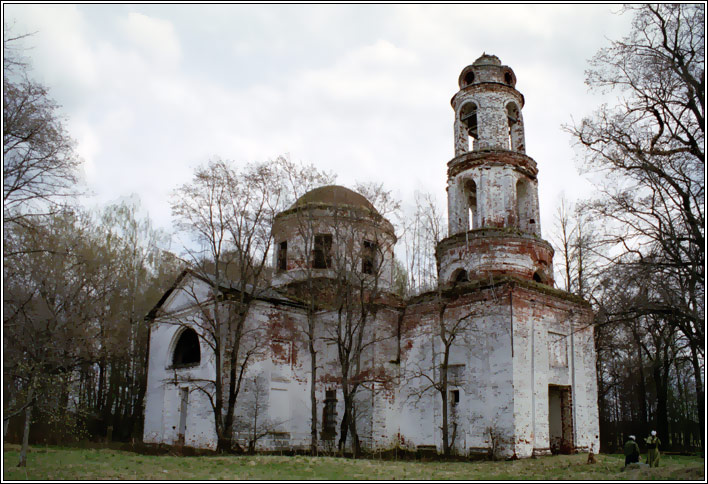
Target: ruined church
x,y
520,376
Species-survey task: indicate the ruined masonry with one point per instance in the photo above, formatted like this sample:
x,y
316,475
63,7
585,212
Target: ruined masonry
x,y
520,371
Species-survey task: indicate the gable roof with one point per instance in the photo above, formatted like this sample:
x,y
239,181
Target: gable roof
x,y
264,294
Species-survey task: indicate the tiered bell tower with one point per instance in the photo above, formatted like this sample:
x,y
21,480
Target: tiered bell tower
x,y
492,186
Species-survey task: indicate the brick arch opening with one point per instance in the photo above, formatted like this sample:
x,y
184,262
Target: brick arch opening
x,y
460,275
524,206
468,118
516,128
470,189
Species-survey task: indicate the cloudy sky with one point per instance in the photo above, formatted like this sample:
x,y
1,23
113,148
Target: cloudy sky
x,y
152,91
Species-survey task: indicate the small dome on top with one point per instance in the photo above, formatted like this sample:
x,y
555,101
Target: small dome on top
x,y
487,68
334,195
487,59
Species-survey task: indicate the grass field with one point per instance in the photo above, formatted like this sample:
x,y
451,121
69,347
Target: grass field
x,y
62,463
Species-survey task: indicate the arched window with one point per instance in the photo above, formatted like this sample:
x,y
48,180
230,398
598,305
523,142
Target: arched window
x,y
537,277
468,118
516,128
469,78
513,118
187,352
524,208
471,194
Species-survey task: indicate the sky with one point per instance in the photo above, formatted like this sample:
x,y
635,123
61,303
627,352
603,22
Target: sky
x,y
150,92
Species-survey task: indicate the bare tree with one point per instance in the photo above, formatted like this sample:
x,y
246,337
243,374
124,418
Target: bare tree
x,y
39,161
230,213
434,372
636,357
650,149
253,422
422,230
361,261
574,241
300,180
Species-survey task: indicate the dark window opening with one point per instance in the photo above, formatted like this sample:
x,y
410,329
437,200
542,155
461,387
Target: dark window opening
x,y
454,397
469,78
537,277
507,78
329,415
187,352
368,258
283,256
322,254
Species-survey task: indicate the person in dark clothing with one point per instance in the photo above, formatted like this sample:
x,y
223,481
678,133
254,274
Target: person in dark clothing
x,y
631,451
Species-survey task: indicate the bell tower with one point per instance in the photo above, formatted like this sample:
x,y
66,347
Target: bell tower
x,y
492,186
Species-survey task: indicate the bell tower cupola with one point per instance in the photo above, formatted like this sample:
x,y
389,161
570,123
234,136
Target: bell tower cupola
x,y
488,108
492,185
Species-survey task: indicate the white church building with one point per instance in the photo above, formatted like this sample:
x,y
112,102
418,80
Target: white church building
x,y
521,376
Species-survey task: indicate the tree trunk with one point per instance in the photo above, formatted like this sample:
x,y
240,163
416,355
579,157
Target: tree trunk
x,y
26,431
642,397
344,425
445,436
356,445
226,439
697,375
662,419
313,396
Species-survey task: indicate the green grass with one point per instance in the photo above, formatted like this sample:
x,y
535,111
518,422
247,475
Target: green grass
x,y
61,463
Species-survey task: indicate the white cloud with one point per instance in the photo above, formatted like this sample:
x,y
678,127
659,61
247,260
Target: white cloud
x,y
88,147
155,38
368,73
58,48
362,90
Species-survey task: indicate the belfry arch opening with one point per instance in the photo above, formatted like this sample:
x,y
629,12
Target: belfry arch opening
x,y
468,118
187,351
516,129
524,206
471,196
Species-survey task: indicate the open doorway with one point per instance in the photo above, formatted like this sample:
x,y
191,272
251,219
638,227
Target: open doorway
x,y
560,419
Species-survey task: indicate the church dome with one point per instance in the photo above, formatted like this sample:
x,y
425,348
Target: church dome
x,y
334,195
327,226
487,69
